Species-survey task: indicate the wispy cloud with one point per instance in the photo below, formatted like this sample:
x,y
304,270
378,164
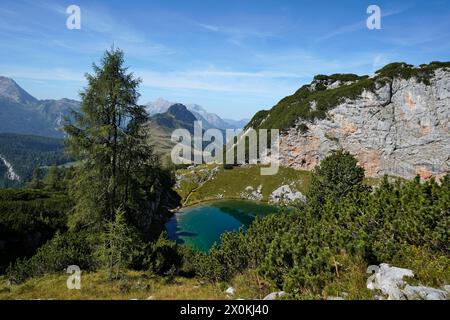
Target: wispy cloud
x,y
261,83
359,25
47,74
104,29
236,35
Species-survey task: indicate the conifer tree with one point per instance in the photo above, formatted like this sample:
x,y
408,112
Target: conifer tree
x,y
36,179
53,180
118,168
116,248
335,177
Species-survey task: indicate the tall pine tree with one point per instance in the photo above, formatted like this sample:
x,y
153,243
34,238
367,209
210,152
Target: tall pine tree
x,y
118,168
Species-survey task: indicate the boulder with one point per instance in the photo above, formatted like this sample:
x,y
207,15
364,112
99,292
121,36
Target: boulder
x,y
285,195
389,280
424,293
230,291
391,283
275,295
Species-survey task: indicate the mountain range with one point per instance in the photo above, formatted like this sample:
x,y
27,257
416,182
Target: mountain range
x,y
25,118
209,120
395,122
22,113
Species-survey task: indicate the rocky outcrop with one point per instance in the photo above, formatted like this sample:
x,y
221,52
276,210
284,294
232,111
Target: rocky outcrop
x,y
391,283
251,194
285,195
10,173
398,127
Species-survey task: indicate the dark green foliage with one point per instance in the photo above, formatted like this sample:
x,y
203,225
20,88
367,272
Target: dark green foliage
x,y
117,245
410,214
36,179
298,249
297,107
338,77
163,256
25,153
28,218
255,122
118,169
64,250
54,179
22,210
336,176
303,128
406,71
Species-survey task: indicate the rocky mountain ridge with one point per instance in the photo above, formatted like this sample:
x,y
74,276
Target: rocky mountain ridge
x,y
22,113
209,120
395,122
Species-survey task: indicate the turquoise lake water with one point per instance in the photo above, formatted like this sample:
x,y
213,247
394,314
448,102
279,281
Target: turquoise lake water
x,y
202,225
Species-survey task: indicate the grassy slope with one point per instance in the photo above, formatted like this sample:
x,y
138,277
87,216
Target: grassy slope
x,y
350,283
231,183
160,139
135,285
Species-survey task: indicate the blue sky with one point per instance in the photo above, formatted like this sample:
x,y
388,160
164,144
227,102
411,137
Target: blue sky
x,y
233,57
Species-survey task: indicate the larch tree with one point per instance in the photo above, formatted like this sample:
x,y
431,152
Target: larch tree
x,y
118,169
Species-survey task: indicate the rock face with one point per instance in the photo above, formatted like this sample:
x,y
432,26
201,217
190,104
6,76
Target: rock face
x,y
424,293
400,128
10,173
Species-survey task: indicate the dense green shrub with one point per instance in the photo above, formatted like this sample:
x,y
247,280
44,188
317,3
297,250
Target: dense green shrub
x,y
300,249
337,175
56,255
118,241
28,218
163,256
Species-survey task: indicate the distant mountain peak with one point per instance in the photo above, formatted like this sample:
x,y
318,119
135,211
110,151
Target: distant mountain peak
x,y
181,113
209,120
21,113
159,106
11,91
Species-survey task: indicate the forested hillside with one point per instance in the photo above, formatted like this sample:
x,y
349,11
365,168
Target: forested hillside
x,y
26,152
